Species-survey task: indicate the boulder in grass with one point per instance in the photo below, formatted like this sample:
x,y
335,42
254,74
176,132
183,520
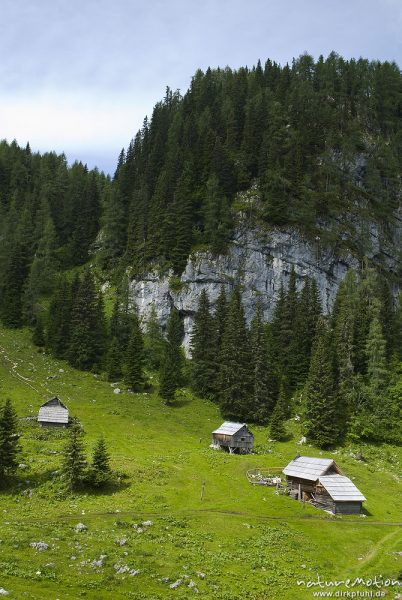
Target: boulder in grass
x,y
41,546
175,585
80,527
3,592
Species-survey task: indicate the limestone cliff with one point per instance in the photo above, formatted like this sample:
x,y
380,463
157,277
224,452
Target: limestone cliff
x,y
260,263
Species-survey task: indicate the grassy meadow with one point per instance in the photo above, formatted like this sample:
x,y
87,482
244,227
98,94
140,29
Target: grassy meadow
x,y
237,541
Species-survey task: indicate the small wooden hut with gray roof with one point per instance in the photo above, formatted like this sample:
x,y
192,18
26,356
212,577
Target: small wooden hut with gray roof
x,y
53,413
234,437
321,482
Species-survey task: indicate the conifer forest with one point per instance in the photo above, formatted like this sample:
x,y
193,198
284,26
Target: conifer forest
x,y
307,153
316,141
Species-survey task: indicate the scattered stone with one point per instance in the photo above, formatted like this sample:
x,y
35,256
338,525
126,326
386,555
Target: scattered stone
x,y
302,440
73,558
134,572
116,390
96,564
61,370
22,466
165,579
191,584
121,542
176,584
200,575
80,527
27,493
147,523
41,546
3,592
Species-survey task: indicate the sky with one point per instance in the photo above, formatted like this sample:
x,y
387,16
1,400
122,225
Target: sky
x,y
79,76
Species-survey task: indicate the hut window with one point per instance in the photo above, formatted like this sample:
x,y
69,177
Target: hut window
x,y
242,439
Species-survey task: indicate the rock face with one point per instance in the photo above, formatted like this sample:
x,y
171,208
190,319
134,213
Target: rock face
x,y
260,264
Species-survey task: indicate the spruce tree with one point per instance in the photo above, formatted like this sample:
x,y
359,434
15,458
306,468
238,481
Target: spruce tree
x,y
235,379
376,356
203,345
74,462
322,419
100,471
221,309
88,336
13,280
134,357
59,318
9,440
264,381
277,428
171,372
114,360
38,334
153,341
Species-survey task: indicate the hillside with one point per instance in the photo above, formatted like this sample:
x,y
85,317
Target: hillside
x,y
243,538
243,263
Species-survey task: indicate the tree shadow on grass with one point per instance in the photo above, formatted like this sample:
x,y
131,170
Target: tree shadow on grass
x,y
22,483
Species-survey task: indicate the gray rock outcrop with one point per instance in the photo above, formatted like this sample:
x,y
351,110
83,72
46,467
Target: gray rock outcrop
x,y
260,263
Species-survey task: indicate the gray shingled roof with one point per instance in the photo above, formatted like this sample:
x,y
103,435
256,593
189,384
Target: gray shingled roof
x,y
341,489
306,467
53,411
229,428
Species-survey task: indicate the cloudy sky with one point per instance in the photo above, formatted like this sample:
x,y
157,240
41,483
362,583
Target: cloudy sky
x,y
80,75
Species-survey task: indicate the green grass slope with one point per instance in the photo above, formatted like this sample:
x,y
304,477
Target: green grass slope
x,y
238,541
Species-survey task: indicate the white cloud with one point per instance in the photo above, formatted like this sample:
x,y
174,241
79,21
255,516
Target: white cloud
x,y
72,123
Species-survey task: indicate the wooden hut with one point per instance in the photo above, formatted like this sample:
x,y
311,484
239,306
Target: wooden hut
x,y
321,482
53,413
233,436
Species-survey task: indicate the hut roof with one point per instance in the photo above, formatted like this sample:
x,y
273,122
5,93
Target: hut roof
x,y
53,411
229,428
341,489
306,467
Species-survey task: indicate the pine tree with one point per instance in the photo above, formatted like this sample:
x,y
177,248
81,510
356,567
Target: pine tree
x,y
134,358
322,419
9,440
235,373
100,471
171,372
203,346
74,463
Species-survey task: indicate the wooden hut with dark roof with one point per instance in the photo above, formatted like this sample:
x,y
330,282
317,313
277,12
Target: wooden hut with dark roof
x,y
234,437
53,413
321,482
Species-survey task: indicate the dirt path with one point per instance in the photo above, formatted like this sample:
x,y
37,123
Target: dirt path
x,y
13,371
